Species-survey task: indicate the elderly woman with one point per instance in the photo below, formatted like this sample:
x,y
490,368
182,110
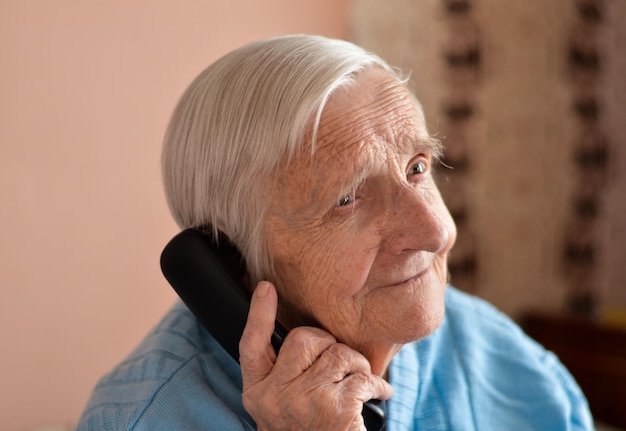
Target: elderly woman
x,y
313,157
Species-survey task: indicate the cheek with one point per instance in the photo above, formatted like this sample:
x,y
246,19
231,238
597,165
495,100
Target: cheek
x,y
322,278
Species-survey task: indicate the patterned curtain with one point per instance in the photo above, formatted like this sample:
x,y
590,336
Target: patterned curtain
x,y
590,154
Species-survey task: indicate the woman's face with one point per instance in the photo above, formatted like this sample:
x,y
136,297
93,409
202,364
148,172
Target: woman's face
x,y
358,230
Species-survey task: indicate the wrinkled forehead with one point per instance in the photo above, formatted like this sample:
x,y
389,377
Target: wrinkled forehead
x,y
372,122
375,113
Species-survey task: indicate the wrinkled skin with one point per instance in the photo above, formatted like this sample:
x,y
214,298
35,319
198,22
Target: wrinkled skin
x,y
360,237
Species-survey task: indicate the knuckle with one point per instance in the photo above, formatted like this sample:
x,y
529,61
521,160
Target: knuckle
x,y
360,380
244,342
246,348
345,359
339,353
298,335
308,337
359,386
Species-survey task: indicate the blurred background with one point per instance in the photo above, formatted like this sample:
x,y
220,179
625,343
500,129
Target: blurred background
x,y
528,98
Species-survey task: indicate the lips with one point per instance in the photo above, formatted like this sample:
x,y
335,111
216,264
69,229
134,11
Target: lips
x,y
410,278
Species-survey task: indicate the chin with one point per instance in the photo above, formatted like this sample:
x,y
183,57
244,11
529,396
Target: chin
x,y
405,313
424,317
424,323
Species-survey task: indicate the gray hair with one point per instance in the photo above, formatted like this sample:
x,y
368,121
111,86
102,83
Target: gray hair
x,y
242,119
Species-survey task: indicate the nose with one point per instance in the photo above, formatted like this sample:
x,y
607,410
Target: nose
x,y
417,220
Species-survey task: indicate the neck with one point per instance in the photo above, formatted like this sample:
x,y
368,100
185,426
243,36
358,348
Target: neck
x,y
380,357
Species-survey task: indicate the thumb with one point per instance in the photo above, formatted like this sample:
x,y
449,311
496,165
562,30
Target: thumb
x,y
256,353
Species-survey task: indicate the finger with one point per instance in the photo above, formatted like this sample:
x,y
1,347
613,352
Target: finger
x,y
302,347
364,387
351,371
256,354
337,362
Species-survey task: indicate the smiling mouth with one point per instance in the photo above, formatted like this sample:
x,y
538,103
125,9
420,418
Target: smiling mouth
x,y
412,279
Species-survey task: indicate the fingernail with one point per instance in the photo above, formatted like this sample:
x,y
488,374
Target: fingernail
x,y
262,289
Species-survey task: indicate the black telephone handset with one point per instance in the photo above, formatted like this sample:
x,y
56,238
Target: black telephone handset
x,y
209,280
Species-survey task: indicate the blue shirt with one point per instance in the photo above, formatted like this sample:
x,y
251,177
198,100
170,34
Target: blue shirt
x,y
477,371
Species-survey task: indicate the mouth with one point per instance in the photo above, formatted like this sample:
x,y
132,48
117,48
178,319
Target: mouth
x,y
412,279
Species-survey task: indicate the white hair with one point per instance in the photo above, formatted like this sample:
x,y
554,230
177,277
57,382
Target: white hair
x,y
239,121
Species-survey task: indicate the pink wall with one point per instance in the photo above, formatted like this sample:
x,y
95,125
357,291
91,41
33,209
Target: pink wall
x,y
87,89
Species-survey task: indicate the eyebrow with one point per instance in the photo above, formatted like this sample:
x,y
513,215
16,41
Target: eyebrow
x,y
430,145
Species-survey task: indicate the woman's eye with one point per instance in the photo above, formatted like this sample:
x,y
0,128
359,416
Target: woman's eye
x,y
345,201
417,168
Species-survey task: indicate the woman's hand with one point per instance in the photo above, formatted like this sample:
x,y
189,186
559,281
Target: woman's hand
x,y
315,383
